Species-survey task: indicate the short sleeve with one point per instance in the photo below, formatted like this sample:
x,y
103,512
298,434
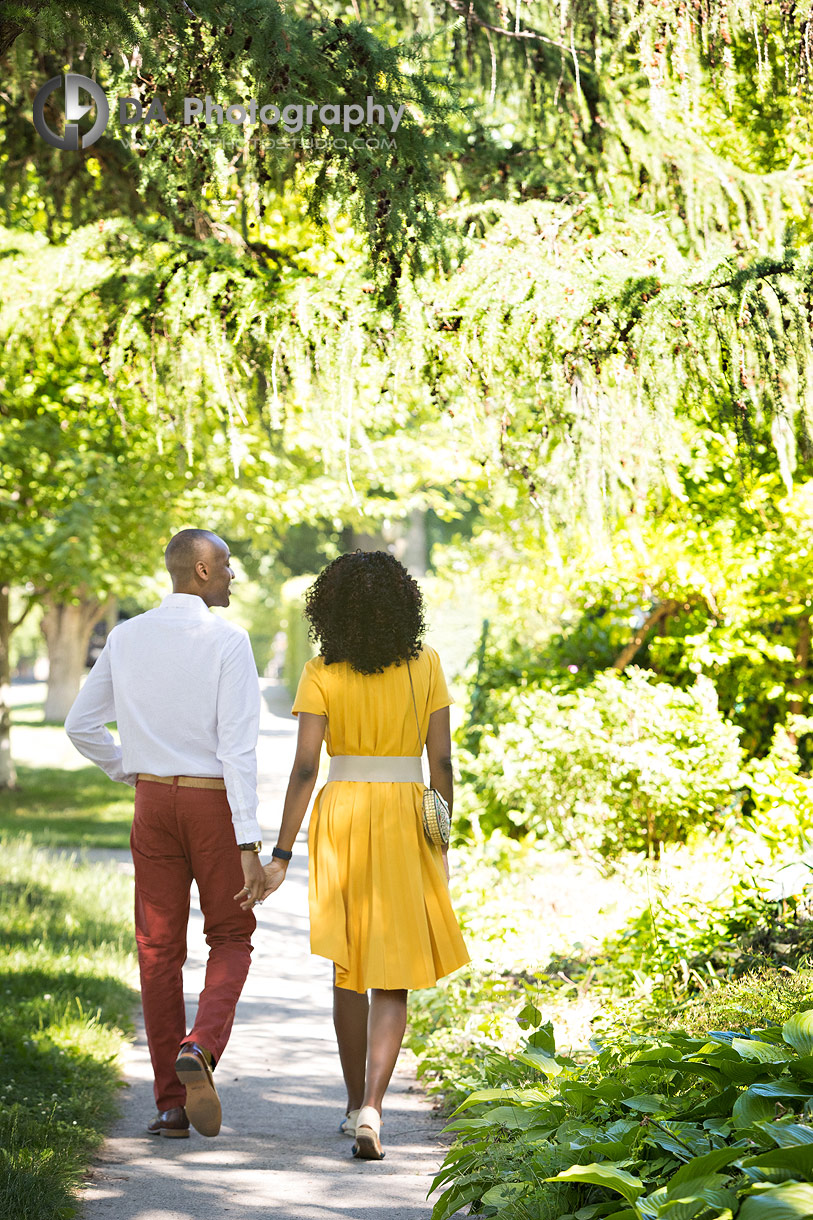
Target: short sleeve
x,y
438,690
310,693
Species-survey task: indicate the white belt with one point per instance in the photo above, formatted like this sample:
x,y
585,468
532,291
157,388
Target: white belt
x,y
376,769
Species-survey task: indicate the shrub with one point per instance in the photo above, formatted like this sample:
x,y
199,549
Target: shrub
x,y
624,764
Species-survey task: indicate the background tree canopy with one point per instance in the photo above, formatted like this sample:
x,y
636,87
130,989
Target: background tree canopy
x,y
568,304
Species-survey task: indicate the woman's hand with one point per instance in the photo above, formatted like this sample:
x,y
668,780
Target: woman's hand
x,y
274,875
446,863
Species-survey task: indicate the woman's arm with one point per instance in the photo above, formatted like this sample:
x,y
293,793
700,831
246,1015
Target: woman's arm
x,y
301,783
439,753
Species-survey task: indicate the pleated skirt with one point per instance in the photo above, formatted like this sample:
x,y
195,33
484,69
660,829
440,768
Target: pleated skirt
x,y
379,901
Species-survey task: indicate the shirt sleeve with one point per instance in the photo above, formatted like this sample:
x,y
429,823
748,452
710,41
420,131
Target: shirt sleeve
x,y
92,709
310,693
438,690
238,726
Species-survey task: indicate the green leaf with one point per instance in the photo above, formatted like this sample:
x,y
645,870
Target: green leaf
x,y
543,1038
758,1103
606,1174
788,1135
505,1192
529,1018
540,1061
761,1052
646,1103
454,1198
792,1201
702,1166
798,1160
798,1032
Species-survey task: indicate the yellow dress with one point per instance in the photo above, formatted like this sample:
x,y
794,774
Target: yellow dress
x,y
379,901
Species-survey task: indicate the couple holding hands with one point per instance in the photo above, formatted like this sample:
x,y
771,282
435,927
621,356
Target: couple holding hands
x,y
182,686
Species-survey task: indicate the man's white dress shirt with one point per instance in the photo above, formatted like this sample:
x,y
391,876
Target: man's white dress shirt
x,y
182,686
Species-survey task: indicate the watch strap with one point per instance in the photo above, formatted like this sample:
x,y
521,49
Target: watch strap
x,y
279,853
255,847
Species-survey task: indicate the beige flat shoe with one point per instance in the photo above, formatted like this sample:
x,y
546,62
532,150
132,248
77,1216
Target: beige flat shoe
x,y
368,1128
348,1124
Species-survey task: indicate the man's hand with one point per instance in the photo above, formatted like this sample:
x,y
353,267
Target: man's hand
x,y
255,888
274,874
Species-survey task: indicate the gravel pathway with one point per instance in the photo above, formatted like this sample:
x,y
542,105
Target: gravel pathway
x,y
279,1153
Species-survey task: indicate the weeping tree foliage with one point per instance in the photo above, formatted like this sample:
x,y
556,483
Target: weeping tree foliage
x,y
628,275
148,376
385,173
577,360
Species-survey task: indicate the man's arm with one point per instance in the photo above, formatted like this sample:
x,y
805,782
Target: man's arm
x,y
85,723
238,724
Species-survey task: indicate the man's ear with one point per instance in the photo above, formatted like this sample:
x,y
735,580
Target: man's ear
x,y
202,570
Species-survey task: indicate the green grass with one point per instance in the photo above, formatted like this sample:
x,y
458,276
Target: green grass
x,y
62,808
66,969
60,799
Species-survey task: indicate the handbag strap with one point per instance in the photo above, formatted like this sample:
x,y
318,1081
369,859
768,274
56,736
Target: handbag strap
x,y
415,709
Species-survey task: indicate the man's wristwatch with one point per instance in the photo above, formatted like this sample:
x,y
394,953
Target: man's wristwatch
x,y
279,853
255,847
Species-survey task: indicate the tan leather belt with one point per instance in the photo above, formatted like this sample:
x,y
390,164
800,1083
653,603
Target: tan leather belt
x,y
184,781
376,769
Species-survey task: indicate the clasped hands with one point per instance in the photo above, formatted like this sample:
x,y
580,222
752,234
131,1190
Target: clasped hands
x,y
260,880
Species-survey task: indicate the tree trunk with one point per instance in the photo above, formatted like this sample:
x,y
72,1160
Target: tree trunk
x,y
8,775
800,677
67,628
660,612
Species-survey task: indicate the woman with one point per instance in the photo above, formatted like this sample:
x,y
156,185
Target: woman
x,y
378,890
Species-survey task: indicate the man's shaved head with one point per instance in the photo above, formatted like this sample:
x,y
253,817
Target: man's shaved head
x,y
198,562
186,548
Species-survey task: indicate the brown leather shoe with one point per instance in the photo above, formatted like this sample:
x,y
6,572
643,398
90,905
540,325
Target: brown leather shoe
x,y
172,1124
193,1067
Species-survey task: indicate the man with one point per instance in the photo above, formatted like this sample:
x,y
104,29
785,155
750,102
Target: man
x,y
182,686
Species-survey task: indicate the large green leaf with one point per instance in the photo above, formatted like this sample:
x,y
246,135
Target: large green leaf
x,y
796,1161
792,1201
646,1103
543,1038
539,1060
455,1198
798,1032
688,1206
788,1135
529,1096
759,1101
506,1192
648,1207
701,1167
802,1067
761,1052
606,1173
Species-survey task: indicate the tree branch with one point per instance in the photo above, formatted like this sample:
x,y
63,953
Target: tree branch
x,y
467,11
660,612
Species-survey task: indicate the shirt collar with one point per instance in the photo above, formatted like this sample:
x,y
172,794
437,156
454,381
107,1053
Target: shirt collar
x,y
189,603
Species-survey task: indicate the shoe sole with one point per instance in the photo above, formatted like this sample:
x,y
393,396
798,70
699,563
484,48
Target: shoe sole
x,y
367,1146
171,1135
202,1102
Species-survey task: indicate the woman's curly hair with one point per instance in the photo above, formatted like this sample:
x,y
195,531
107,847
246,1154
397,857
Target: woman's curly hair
x,y
366,609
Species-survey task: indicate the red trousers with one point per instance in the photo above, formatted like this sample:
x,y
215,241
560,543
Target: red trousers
x,y
179,834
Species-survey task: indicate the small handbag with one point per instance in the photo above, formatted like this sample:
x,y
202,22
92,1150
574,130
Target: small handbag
x,y
437,820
